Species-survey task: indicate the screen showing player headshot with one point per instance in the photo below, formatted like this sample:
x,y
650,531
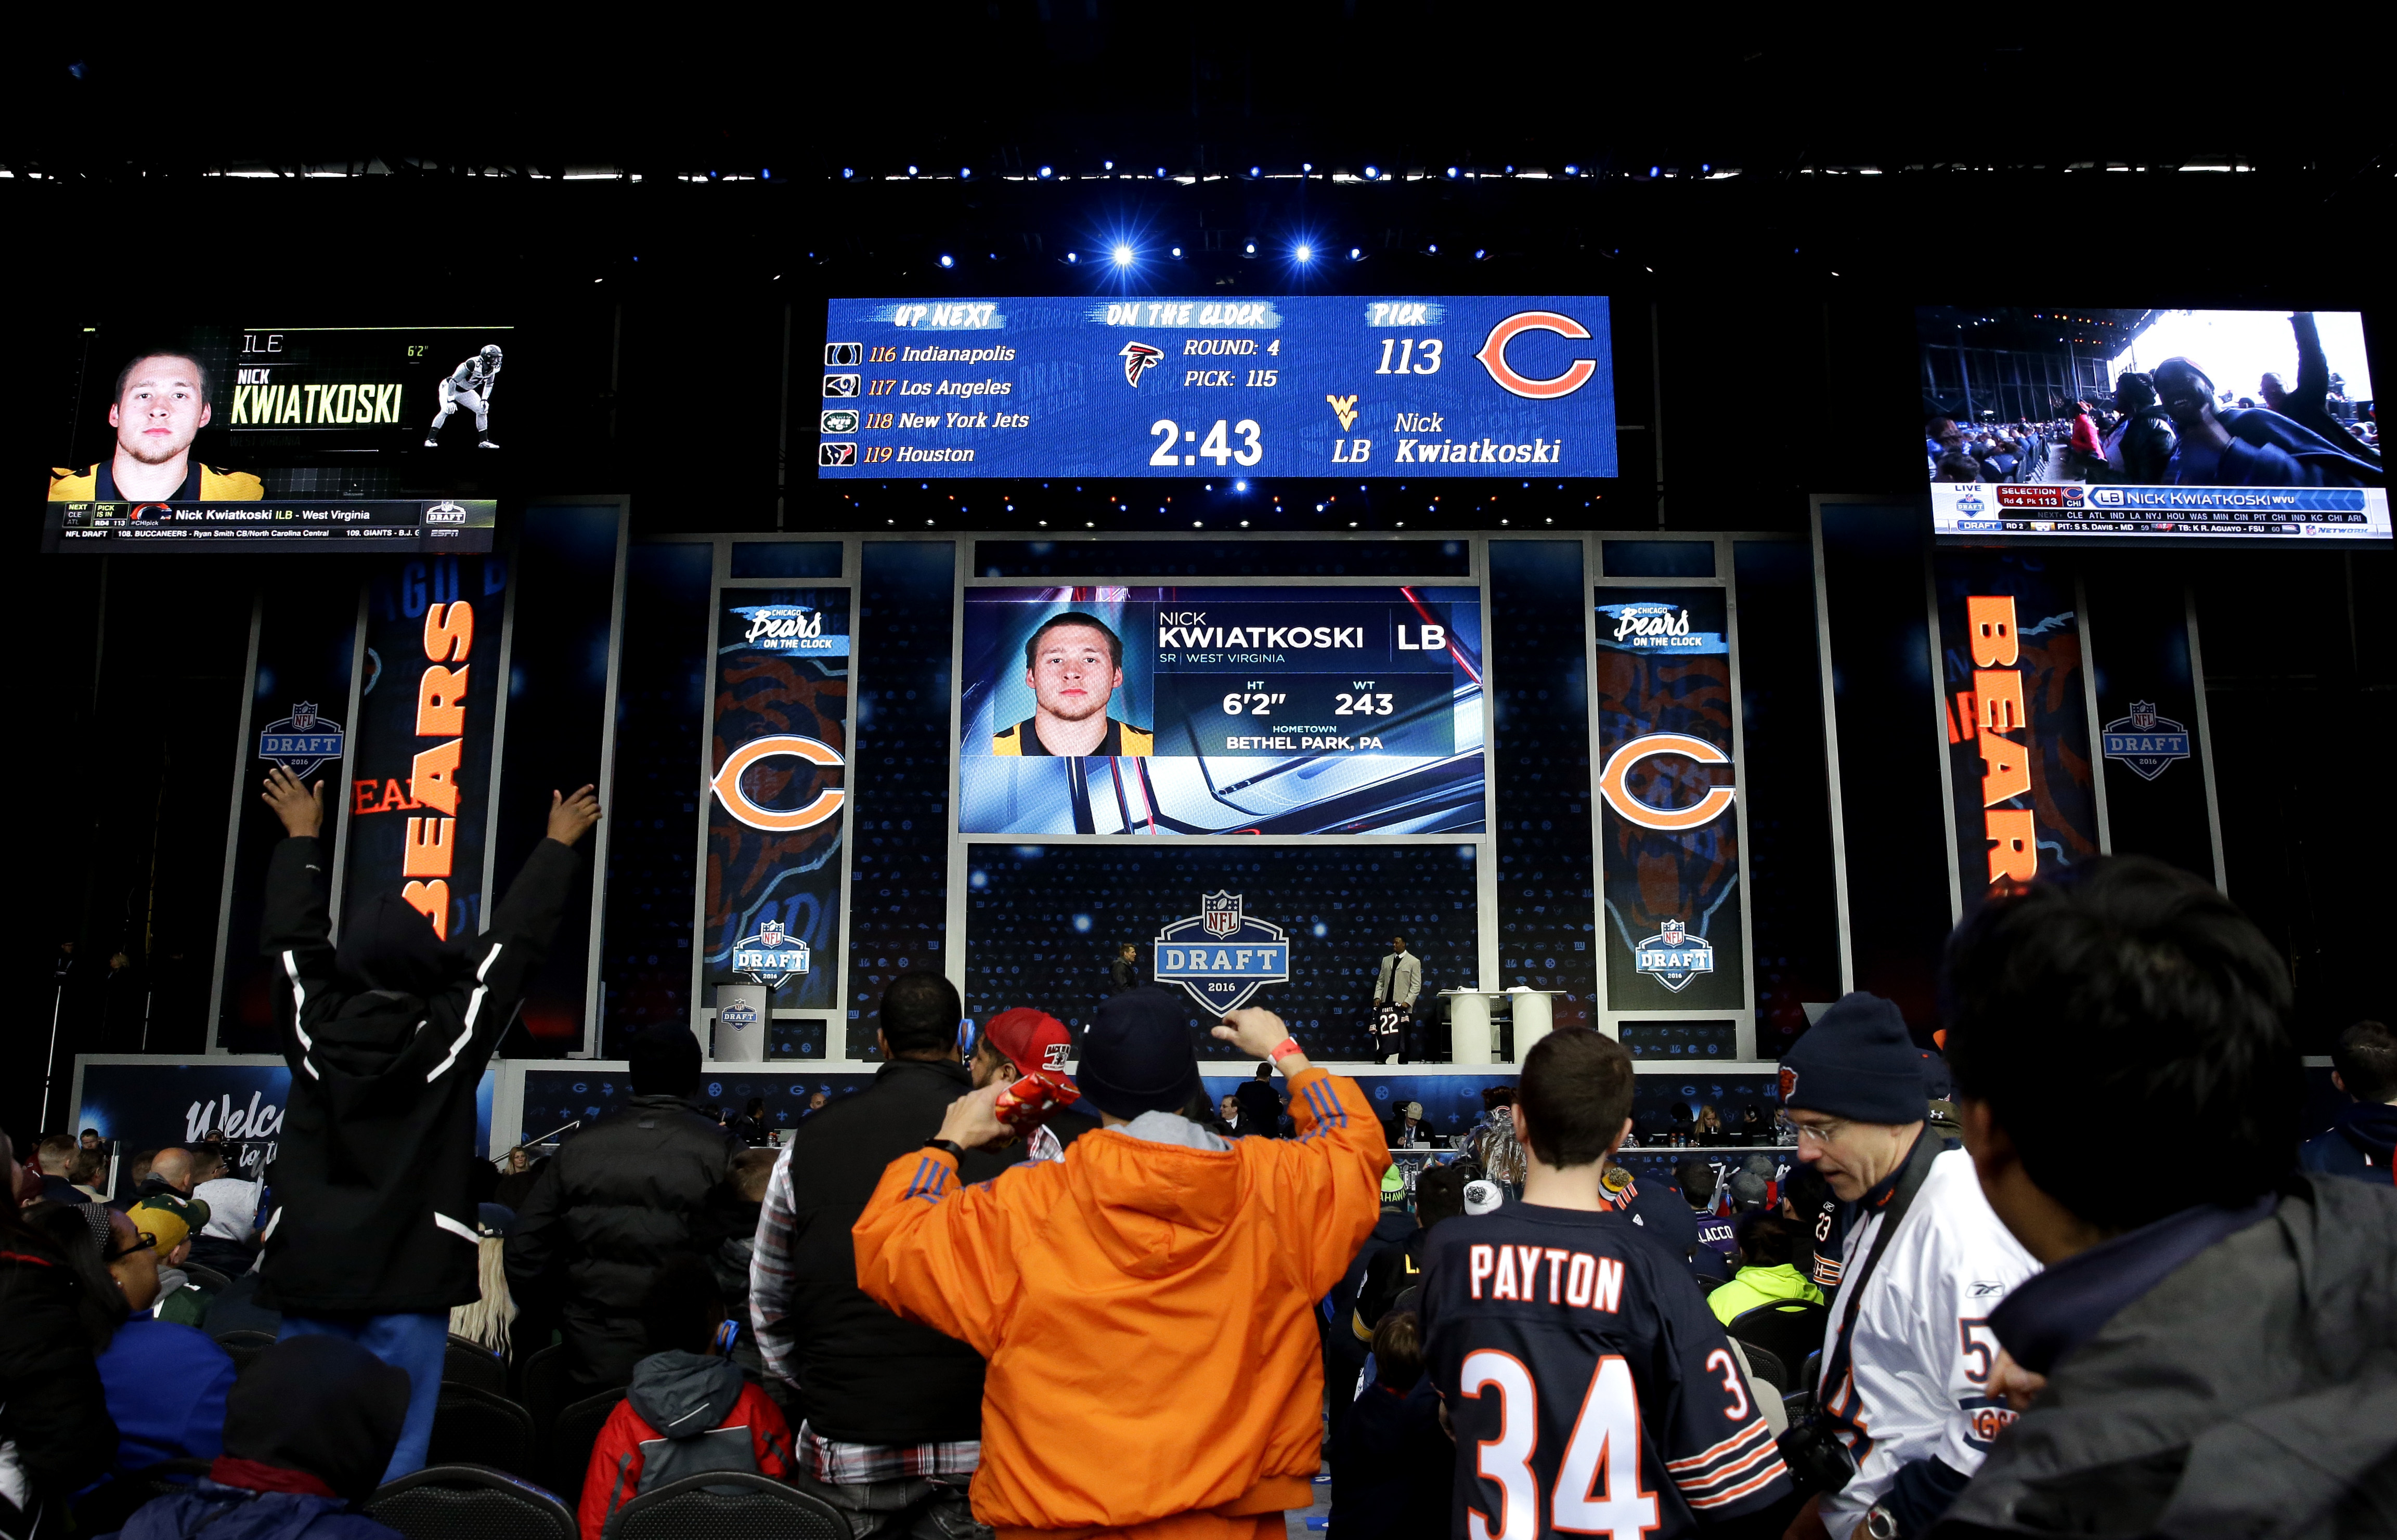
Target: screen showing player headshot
x,y
2150,425
212,437
1150,711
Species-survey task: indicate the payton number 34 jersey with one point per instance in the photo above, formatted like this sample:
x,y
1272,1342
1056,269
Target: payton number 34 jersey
x,y
1591,1390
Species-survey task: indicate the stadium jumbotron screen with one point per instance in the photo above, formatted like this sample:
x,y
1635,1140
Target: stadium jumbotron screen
x,y
293,438
2148,424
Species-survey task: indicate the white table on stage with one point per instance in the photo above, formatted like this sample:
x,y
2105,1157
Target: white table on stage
x,y
1535,1017
1469,1036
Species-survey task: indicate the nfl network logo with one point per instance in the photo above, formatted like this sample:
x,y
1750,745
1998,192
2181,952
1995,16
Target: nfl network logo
x,y
769,957
301,742
1221,956
1672,956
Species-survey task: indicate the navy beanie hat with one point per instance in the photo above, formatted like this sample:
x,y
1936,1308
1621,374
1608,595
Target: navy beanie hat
x,y
1137,1055
1857,1062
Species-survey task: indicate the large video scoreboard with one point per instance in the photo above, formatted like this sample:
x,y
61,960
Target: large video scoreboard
x,y
295,439
1312,385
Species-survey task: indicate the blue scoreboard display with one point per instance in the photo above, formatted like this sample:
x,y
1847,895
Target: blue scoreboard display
x,y
1330,385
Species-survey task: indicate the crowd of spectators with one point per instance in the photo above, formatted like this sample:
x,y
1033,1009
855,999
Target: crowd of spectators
x,y
2175,426
978,1299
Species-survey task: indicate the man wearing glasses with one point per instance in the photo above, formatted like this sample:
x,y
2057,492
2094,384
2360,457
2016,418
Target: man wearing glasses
x,y
1905,1410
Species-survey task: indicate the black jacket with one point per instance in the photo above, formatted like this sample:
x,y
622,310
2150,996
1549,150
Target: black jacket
x,y
863,1374
373,1184
2248,1393
2147,446
1260,1109
612,1206
52,1406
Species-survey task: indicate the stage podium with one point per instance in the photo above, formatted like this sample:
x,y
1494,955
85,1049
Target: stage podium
x,y
1471,1039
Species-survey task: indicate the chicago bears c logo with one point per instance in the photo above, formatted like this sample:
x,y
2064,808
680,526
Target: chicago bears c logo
x,y
1612,782
1492,356
727,784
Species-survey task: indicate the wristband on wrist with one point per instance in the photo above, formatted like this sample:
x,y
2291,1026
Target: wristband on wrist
x,y
949,1144
1283,1048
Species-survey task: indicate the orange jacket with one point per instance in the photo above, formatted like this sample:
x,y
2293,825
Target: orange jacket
x,y
1146,1308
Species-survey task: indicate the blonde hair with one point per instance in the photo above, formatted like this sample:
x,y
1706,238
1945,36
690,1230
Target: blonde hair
x,y
487,1320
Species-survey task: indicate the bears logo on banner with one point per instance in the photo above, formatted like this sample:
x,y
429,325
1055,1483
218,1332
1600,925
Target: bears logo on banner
x,y
777,785
1668,843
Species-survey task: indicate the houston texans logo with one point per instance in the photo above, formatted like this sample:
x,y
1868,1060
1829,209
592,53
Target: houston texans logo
x,y
1138,357
1345,408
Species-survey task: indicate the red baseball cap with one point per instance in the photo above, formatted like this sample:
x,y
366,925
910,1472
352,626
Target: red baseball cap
x,y
1031,1039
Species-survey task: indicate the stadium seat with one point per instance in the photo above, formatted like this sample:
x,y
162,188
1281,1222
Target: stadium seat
x,y
467,1362
474,1427
1764,1365
468,1502
715,1504
207,1278
1786,1329
546,1385
242,1347
565,1452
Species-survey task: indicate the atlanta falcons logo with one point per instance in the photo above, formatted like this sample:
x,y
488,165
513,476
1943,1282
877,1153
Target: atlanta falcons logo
x,y
1138,357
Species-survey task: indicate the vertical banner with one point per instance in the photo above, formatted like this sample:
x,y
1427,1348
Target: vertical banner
x,y
421,778
1668,845
2149,745
777,780
2016,718
299,695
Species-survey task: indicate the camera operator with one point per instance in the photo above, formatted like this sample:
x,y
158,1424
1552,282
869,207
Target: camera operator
x,y
1905,1411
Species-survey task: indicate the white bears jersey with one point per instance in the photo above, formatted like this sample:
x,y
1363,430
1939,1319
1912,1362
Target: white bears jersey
x,y
1915,1385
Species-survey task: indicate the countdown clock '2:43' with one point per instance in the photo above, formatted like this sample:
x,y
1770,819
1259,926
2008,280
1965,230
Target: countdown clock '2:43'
x,y
1217,446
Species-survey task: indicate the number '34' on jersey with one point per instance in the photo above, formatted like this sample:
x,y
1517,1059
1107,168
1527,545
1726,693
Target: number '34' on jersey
x,y
1590,1388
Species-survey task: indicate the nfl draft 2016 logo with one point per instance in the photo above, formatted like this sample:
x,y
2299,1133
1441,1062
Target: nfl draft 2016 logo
x,y
1672,956
2144,741
301,742
1221,956
770,956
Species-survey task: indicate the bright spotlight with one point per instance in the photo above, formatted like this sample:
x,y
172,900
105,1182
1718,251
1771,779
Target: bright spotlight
x,y
1160,173
1249,250
1256,170
1370,173
1355,253
1046,173
947,260
1452,173
1123,256
1572,171
1177,251
965,171
911,171
1654,169
1305,253
1479,253
1072,257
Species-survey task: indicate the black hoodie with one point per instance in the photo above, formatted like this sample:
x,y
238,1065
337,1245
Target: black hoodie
x,y
374,1211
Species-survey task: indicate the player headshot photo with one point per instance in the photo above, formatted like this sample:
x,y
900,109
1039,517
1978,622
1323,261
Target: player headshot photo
x,y
1073,665
160,405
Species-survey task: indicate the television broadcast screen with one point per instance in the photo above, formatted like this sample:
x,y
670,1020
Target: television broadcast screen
x,y
2148,424
302,438
1261,710
1306,385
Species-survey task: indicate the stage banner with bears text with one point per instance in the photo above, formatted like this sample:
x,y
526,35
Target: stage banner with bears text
x,y
419,779
1668,836
778,785
2017,718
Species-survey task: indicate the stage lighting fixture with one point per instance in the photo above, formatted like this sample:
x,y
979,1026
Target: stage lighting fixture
x,y
765,173
1177,251
1256,170
1046,173
947,260
1073,257
1107,165
1123,256
1304,252
1239,486
1306,166
1353,253
1572,171
1160,173
1652,170
964,171
1452,173
911,171
847,172
1433,249
1370,173
1250,250
1480,253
